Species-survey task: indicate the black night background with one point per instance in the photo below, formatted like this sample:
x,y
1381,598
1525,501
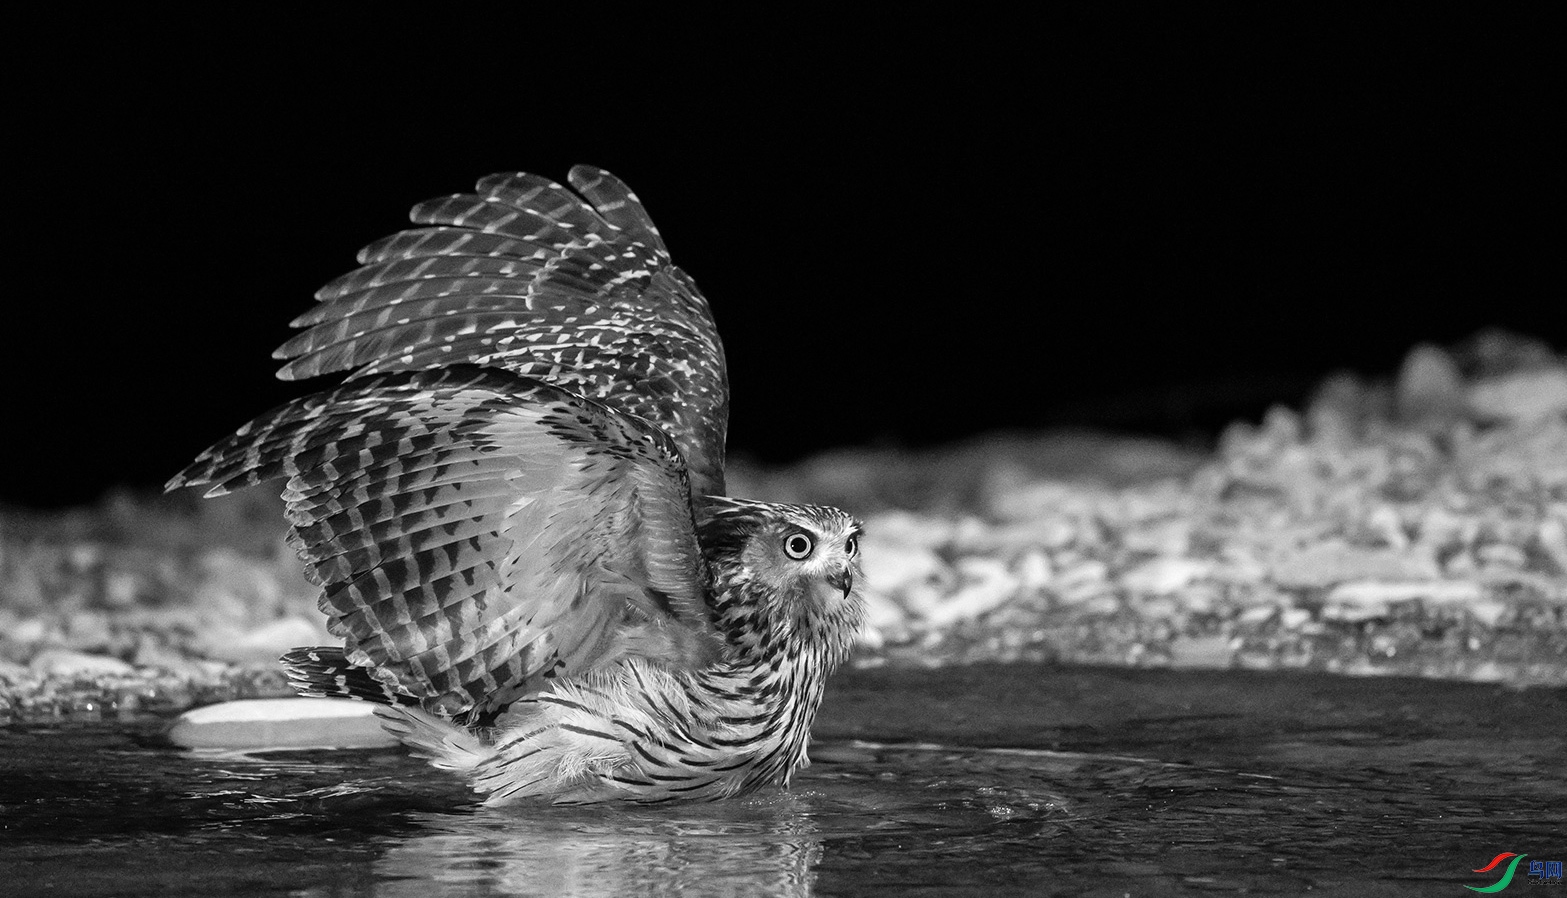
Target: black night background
x,y
1133,591
909,235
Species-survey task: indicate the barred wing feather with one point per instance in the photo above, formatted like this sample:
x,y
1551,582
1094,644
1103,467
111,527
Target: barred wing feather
x,y
525,275
475,531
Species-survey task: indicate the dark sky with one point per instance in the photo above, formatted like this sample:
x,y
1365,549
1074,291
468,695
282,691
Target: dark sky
x,y
908,234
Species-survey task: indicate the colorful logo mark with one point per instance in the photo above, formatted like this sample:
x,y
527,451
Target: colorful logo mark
x,y
1539,871
1507,877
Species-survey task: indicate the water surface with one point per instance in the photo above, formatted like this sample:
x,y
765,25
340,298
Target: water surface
x,y
978,781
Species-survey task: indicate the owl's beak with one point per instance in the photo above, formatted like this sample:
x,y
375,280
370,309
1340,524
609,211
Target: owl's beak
x,y
843,581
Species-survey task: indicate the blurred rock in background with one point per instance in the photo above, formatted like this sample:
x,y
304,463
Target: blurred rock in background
x,y
1412,526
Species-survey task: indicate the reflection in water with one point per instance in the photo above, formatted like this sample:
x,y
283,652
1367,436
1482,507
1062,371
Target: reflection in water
x,y
1166,784
762,847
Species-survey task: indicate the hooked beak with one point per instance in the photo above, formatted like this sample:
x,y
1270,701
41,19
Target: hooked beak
x,y
843,581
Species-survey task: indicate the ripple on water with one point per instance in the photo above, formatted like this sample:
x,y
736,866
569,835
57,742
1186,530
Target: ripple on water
x,y
1165,796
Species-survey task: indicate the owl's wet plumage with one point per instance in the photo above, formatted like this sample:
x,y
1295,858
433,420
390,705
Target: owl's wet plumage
x,y
514,509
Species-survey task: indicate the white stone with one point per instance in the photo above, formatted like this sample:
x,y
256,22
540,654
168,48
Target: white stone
x,y
1105,603
1502,555
1552,537
275,723
1082,581
981,569
1033,570
1294,618
882,614
1172,537
1520,395
1385,521
265,643
1087,570
1429,384
121,588
1335,561
1368,593
1488,611
1201,651
29,631
1257,614
905,529
13,673
1162,576
64,663
897,571
1354,612
920,599
987,586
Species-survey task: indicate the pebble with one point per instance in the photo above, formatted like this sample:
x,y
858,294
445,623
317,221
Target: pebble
x,y
981,569
1033,571
1164,538
11,672
1201,598
1488,612
1429,384
1356,611
1294,618
1160,608
1552,538
1335,561
1385,521
883,615
121,589
88,631
1441,527
891,568
278,723
1082,592
1367,594
1101,603
987,586
30,631
1502,555
1082,572
64,663
1520,396
1163,576
1201,651
266,642
1034,501
1257,614
905,529
922,599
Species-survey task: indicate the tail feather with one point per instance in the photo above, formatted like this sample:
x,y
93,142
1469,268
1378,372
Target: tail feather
x,y
324,671
437,740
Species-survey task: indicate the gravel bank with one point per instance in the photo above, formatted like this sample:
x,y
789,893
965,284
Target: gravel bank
x,y
1416,526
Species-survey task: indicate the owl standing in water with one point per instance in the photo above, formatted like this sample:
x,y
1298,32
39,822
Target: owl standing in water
x,y
514,508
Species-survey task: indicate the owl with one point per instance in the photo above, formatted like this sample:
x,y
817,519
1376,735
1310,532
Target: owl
x,y
514,508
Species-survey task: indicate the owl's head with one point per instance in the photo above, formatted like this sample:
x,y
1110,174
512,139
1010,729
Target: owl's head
x,y
783,570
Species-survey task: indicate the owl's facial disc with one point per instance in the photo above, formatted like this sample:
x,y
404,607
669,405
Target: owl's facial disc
x,y
824,557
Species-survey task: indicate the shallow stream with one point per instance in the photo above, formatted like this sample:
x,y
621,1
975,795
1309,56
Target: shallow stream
x,y
976,781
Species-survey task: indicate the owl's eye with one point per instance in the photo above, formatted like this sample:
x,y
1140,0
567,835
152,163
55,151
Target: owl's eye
x,y
798,545
852,546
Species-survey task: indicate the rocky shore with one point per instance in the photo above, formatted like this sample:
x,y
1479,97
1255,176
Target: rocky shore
x,y
1413,526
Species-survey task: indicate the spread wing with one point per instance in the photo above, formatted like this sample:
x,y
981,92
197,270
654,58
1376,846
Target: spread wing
x,y
475,531
524,275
